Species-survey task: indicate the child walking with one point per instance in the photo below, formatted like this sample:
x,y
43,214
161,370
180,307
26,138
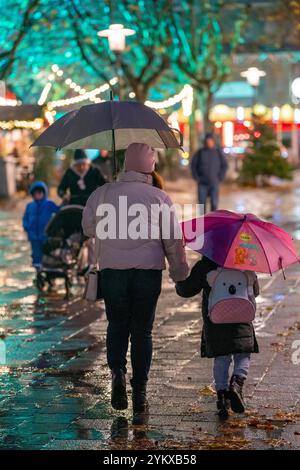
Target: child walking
x,y
225,342
36,217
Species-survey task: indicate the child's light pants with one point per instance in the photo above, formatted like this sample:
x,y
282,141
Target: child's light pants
x,y
241,363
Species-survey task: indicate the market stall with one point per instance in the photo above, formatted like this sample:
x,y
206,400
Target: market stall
x,y
18,127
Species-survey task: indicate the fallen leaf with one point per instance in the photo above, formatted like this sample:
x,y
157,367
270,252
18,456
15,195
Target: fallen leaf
x,y
235,443
278,346
284,416
195,409
284,333
260,424
236,424
276,442
207,391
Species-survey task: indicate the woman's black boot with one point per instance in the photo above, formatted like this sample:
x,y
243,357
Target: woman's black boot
x,y
139,403
236,394
118,390
222,403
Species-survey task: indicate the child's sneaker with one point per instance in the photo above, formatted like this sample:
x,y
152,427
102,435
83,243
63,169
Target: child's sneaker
x,y
222,403
236,394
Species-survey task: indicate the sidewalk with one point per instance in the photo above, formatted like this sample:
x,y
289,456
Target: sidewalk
x,y
55,386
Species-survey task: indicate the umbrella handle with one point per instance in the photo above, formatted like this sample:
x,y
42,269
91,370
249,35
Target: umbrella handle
x,y
280,264
115,170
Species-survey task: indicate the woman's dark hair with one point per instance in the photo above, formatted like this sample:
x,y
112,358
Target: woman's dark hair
x,y
158,181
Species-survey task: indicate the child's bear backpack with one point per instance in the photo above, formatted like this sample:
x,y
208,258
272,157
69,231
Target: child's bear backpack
x,y
231,299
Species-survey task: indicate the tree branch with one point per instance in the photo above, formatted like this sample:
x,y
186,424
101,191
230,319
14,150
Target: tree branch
x,y
22,32
82,51
165,62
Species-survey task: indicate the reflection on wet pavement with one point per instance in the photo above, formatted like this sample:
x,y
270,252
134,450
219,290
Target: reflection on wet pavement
x,y
54,383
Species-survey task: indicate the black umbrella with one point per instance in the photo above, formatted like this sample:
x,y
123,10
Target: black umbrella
x,y
110,125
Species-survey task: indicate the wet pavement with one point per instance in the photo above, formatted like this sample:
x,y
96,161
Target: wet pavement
x,y
54,384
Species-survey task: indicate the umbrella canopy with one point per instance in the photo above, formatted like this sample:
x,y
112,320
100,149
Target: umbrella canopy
x,y
111,125
241,241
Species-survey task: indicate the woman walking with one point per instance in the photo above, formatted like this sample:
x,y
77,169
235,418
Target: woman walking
x,y
131,273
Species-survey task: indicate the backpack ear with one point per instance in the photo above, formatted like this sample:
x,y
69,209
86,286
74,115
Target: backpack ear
x,y
211,277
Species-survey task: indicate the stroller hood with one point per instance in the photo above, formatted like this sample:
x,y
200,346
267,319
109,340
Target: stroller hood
x,y
66,222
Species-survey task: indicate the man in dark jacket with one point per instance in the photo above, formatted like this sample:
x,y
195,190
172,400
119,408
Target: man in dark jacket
x,y
209,167
80,180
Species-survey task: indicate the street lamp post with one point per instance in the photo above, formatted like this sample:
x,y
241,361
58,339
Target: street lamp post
x,y
253,76
116,35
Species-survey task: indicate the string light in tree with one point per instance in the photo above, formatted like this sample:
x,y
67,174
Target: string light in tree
x,y
45,93
187,101
47,88
36,124
82,93
185,96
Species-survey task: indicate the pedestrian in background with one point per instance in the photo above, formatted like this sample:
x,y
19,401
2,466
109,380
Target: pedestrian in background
x,y
36,217
80,180
103,162
209,166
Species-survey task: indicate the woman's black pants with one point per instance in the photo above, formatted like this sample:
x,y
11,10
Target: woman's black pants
x,y
130,297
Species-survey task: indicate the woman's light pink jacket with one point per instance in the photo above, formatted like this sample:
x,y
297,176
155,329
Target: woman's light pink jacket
x,y
126,253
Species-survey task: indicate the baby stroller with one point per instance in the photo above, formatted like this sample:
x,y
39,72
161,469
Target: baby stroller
x,y
61,250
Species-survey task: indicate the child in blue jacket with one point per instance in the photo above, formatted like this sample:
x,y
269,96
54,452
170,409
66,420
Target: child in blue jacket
x,y
36,217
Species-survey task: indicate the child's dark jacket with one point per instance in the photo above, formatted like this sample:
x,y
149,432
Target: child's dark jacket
x,y
217,339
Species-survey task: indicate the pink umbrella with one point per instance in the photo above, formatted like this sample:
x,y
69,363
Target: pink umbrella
x,y
241,241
